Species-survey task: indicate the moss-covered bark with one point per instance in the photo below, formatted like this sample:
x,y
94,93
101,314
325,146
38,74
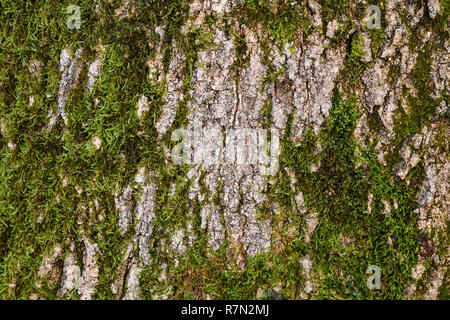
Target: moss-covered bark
x,y
93,207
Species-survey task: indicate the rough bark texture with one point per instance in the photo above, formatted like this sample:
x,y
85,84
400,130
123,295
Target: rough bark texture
x,y
93,207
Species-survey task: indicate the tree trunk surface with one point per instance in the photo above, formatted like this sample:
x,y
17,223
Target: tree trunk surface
x,y
224,149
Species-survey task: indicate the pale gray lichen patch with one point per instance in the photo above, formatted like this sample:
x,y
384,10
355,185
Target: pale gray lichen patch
x,y
89,276
49,269
35,67
219,100
332,27
127,10
440,69
71,275
281,99
313,83
434,8
376,87
306,264
433,215
435,284
132,292
316,11
410,160
250,98
142,106
143,216
95,68
70,68
174,93
214,91
312,220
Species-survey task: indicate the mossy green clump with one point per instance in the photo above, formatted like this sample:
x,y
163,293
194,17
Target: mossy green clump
x,y
282,20
353,232
444,293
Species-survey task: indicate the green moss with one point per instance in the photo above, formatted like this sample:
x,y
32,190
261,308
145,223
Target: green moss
x,y
339,192
394,72
334,10
355,64
282,21
378,37
242,56
444,293
374,121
